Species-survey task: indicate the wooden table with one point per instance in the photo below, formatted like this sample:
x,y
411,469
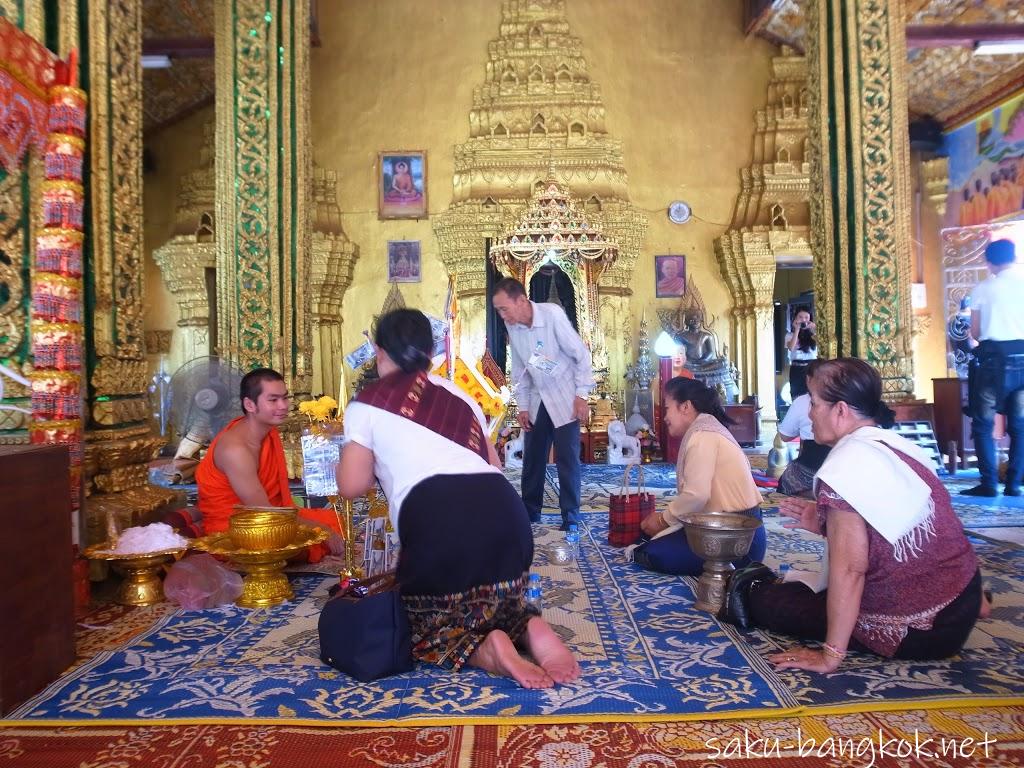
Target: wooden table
x,y
36,589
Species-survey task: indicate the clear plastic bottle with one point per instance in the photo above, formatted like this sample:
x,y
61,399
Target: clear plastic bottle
x,y
572,541
533,592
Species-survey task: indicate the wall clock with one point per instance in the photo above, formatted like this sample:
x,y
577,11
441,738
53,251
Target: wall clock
x,y
679,212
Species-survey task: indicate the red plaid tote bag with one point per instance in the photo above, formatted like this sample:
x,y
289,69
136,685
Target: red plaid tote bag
x,y
626,510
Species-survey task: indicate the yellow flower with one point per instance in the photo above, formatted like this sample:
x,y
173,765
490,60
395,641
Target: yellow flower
x,y
307,407
328,402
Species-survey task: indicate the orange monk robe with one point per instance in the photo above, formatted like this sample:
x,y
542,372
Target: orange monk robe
x,y
217,498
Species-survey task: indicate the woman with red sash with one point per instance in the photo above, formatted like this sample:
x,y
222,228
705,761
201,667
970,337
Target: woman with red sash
x,y
466,541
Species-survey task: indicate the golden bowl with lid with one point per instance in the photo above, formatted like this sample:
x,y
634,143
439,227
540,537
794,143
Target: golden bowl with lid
x,y
257,529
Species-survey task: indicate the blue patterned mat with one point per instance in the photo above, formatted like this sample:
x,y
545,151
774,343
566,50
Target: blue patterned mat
x,y
598,480
646,653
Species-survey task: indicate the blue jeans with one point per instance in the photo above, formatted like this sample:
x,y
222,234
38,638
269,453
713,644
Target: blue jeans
x,y
672,554
536,445
997,386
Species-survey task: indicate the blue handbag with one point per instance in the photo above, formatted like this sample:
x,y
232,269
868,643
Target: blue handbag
x,y
364,630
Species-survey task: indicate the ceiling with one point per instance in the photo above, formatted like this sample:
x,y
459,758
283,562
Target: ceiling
x,y
946,81
182,29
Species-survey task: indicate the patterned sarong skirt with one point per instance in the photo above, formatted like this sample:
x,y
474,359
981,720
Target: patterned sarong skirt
x,y
467,547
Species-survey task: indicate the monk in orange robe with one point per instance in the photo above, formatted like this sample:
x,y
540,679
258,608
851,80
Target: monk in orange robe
x,y
245,462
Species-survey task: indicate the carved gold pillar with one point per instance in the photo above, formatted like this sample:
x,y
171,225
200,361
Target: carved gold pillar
x,y
860,199
761,269
119,441
263,183
333,259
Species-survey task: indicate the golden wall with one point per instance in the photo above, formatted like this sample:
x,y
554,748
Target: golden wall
x,y
399,74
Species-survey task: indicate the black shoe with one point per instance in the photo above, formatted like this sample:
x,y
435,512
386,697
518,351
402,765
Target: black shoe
x,y
1011,490
734,606
980,490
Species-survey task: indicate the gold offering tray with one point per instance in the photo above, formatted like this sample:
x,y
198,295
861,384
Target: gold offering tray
x,y
142,584
264,584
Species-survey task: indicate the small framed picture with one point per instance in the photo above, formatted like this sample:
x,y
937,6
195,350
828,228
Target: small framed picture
x,y
402,185
403,261
670,273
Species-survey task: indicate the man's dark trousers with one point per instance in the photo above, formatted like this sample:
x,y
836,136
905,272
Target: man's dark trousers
x,y
536,445
997,386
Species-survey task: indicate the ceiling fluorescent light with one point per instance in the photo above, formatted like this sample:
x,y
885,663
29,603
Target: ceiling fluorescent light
x,y
156,62
998,47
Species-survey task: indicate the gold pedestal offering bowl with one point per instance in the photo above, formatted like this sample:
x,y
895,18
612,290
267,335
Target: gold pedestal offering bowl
x,y
263,528
718,538
259,541
142,584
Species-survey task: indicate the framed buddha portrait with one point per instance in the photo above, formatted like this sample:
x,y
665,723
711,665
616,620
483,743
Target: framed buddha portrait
x,y
403,261
402,185
670,274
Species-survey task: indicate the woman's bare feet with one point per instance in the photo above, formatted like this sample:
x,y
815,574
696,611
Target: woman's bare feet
x,y
497,655
550,652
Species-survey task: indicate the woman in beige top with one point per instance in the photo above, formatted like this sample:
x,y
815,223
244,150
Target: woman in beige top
x,y
713,475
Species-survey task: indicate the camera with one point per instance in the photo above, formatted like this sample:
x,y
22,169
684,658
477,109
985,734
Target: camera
x,y
803,324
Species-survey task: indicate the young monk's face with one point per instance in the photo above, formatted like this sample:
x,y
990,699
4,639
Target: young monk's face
x,y
273,403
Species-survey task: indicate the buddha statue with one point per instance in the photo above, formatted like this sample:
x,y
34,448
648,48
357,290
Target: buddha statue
x,y
699,343
702,357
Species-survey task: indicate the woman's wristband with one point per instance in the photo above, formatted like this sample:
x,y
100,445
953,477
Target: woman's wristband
x,y
832,652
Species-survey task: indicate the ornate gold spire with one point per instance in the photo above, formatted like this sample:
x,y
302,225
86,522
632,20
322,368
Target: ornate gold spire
x,y
537,111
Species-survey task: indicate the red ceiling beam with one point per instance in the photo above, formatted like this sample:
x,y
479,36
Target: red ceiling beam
x,y
960,35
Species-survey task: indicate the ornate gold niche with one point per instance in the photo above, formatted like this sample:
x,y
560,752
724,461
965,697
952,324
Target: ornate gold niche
x,y
538,109
770,224
191,250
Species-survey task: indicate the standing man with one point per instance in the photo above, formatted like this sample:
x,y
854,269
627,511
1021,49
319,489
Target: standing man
x,y
551,376
997,371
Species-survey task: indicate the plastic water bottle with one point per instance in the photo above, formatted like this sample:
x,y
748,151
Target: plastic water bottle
x,y
572,541
533,593
783,570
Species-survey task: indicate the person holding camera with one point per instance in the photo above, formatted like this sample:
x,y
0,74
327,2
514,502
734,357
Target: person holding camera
x,y
802,347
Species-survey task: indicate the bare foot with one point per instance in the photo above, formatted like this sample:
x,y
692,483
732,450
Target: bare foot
x,y
550,652
497,655
986,605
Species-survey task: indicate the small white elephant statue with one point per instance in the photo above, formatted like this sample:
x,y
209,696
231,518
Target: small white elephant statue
x,y
622,447
514,452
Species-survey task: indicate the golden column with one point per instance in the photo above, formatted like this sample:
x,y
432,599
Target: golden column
x,y
333,258
263,185
119,443
860,190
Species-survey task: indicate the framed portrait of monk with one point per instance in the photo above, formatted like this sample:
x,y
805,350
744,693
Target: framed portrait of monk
x,y
402,185
670,274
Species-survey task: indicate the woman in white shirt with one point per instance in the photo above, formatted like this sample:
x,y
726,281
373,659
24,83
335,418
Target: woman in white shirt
x,y
466,541
802,348
798,479
712,473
